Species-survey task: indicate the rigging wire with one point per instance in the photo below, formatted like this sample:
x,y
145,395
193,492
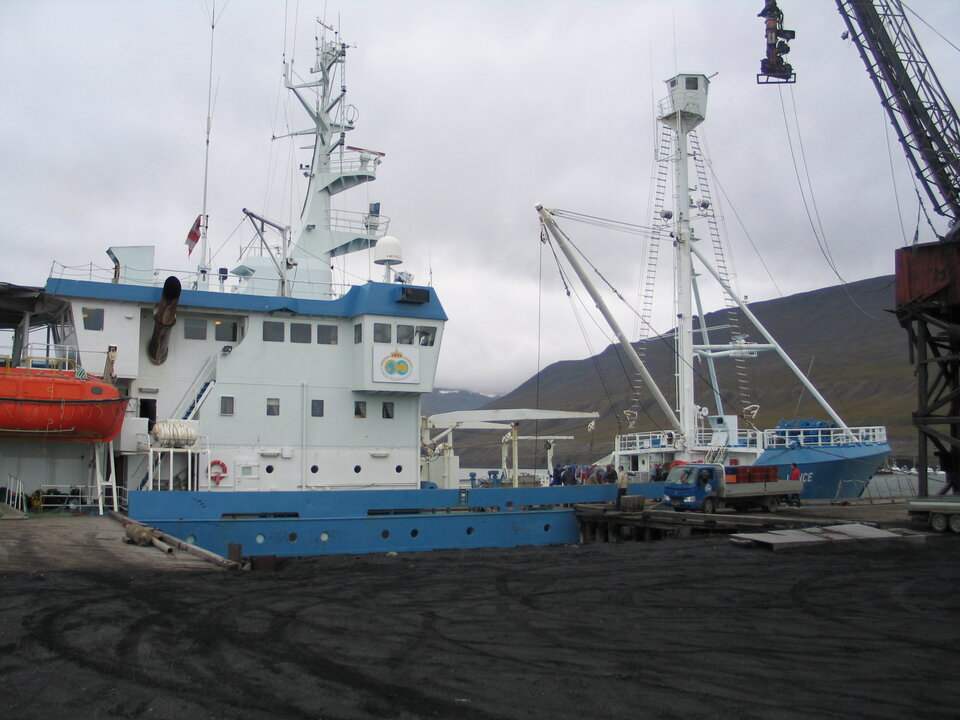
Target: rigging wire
x,y
820,237
939,34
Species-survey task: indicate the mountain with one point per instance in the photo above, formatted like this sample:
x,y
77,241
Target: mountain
x,y
845,338
444,400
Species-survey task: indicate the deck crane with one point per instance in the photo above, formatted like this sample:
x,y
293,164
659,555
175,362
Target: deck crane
x,y
927,275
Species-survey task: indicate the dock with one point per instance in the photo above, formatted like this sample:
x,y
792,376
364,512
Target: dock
x,y
52,542
635,521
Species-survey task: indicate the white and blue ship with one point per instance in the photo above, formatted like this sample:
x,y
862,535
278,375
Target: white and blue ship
x,y
273,409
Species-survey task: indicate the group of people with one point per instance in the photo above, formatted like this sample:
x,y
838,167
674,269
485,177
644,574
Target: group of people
x,y
588,475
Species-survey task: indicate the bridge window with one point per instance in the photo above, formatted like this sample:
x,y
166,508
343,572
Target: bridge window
x,y
327,334
691,83
272,331
426,335
273,406
301,332
381,332
92,318
405,334
387,410
360,409
316,408
195,328
226,405
225,330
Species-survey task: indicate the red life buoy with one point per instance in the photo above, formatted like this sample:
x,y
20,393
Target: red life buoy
x,y
218,471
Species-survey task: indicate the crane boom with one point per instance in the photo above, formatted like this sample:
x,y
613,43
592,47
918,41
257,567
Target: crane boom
x,y
919,109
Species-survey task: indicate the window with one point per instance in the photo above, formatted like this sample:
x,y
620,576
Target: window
x,y
381,332
327,334
388,410
360,409
316,408
226,405
426,335
92,318
691,83
225,330
673,82
357,333
301,332
195,328
273,406
272,331
405,334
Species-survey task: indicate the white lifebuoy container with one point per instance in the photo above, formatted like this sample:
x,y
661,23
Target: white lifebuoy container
x,y
218,471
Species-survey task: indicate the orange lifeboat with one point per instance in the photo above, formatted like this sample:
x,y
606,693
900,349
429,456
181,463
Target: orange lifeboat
x,y
58,405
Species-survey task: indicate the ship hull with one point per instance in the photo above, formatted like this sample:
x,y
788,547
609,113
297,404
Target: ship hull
x,y
830,473
297,524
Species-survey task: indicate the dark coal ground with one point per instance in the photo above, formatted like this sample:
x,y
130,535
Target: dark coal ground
x,y
675,629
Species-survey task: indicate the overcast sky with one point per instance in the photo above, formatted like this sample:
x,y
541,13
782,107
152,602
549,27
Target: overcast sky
x,y
483,109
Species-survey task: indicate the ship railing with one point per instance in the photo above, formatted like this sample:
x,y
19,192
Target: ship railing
x,y
64,497
14,496
817,436
353,162
362,224
664,440
176,468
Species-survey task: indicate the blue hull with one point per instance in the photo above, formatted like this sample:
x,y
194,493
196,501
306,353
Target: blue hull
x,y
839,472
297,524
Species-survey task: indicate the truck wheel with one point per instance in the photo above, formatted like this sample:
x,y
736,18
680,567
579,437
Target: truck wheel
x,y
938,521
769,504
954,522
709,506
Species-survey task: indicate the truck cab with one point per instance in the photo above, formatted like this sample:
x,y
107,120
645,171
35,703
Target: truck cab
x,y
688,486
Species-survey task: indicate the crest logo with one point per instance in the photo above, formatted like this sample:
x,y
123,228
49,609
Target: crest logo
x,y
396,365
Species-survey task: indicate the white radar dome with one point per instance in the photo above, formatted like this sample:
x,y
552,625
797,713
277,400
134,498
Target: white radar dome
x,y
387,251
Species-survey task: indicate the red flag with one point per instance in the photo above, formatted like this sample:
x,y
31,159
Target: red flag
x,y
193,237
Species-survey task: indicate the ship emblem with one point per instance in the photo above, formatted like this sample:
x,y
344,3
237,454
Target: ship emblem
x,y
396,365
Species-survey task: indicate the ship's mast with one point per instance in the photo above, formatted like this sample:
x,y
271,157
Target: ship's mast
x,y
685,109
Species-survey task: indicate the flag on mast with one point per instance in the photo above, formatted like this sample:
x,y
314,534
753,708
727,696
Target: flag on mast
x,y
193,237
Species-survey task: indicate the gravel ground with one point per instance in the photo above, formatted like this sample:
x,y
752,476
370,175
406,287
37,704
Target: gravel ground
x,y
694,628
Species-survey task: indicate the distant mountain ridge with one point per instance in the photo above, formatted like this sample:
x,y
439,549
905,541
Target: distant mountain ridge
x,y
845,338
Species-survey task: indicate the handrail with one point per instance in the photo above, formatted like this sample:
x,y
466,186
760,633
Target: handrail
x,y
192,394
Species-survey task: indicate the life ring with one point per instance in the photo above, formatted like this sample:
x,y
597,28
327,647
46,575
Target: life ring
x,y
218,471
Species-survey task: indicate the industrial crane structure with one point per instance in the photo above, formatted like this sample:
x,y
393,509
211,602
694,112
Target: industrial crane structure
x,y
927,275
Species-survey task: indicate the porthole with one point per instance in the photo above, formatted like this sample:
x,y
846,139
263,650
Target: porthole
x,y
414,532
356,468
399,468
293,537
469,531
509,504
324,537
385,534
314,469
191,539
96,390
546,528
260,538
269,469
